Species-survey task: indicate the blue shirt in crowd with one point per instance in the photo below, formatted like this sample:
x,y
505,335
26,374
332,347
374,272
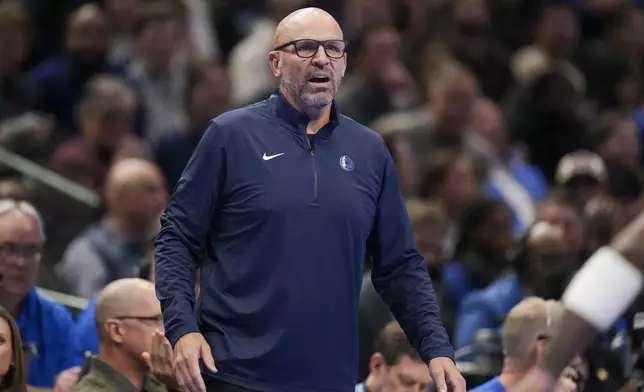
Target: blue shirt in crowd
x,y
86,327
494,385
280,225
49,338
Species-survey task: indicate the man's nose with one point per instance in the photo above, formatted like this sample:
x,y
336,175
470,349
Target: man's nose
x,y
320,57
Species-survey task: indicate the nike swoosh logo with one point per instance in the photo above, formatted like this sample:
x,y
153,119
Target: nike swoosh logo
x,y
269,157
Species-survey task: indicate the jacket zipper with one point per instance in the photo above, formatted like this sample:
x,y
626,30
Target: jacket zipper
x,y
315,171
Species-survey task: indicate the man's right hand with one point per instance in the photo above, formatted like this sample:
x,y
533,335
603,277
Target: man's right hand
x,y
187,352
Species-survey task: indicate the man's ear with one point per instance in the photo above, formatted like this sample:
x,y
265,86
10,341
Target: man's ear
x,y
274,59
376,363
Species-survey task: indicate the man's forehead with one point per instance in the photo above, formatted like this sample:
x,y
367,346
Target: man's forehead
x,y
308,24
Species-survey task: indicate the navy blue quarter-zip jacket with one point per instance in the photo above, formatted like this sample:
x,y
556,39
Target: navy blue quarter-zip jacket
x,y
280,224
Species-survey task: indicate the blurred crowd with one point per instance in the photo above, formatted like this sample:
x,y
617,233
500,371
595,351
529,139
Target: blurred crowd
x,y
516,127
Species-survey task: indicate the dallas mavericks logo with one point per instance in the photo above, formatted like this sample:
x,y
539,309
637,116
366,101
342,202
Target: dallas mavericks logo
x,y
346,163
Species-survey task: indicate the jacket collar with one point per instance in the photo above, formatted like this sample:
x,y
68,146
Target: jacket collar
x,y
298,120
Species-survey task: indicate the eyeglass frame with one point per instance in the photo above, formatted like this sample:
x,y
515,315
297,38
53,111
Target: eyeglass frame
x,y
320,43
143,319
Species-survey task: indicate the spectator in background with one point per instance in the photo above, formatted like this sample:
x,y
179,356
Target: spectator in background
x,y
449,178
527,331
471,42
558,209
209,95
13,374
122,18
52,352
127,316
117,247
556,38
61,81
582,176
511,179
377,87
16,95
106,117
395,366
547,120
248,57
541,268
618,144
481,254
159,69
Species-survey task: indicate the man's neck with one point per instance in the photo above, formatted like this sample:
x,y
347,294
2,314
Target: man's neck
x,y
131,370
318,117
512,373
132,233
371,384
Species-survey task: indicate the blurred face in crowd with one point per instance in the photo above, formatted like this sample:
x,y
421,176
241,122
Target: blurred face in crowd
x,y
452,104
13,44
622,147
487,121
495,234
568,219
158,41
211,96
6,347
136,194
558,31
133,327
107,124
460,184
561,97
549,262
382,44
310,71
406,375
87,35
122,13
20,252
471,16
429,242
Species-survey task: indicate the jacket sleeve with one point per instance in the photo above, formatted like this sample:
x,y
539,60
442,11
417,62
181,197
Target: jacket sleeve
x,y
400,273
180,245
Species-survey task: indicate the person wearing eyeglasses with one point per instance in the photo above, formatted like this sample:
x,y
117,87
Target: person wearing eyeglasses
x,y
129,320
527,331
51,349
279,205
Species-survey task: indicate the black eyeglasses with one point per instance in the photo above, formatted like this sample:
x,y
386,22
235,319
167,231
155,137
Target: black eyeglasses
x,y
307,48
156,319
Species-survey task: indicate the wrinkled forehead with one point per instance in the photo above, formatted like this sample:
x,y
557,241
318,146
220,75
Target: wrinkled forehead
x,y
320,29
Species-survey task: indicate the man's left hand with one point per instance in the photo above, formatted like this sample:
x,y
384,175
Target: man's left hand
x,y
446,376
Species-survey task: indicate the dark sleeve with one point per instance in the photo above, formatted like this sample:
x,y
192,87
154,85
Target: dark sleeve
x,y
185,224
400,273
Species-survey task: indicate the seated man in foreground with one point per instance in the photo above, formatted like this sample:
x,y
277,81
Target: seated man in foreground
x,y
395,366
129,324
527,330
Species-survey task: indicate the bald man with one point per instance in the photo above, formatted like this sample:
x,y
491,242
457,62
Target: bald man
x,y
279,205
527,332
596,297
119,245
127,316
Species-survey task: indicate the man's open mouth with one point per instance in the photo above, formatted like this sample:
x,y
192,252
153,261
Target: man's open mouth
x,y
319,79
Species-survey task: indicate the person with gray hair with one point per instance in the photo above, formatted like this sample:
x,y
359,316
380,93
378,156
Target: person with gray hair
x,y
52,350
526,333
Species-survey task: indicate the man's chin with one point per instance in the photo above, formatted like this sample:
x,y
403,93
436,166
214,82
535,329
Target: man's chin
x,y
318,100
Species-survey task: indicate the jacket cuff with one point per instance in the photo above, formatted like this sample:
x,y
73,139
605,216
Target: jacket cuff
x,y
174,332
